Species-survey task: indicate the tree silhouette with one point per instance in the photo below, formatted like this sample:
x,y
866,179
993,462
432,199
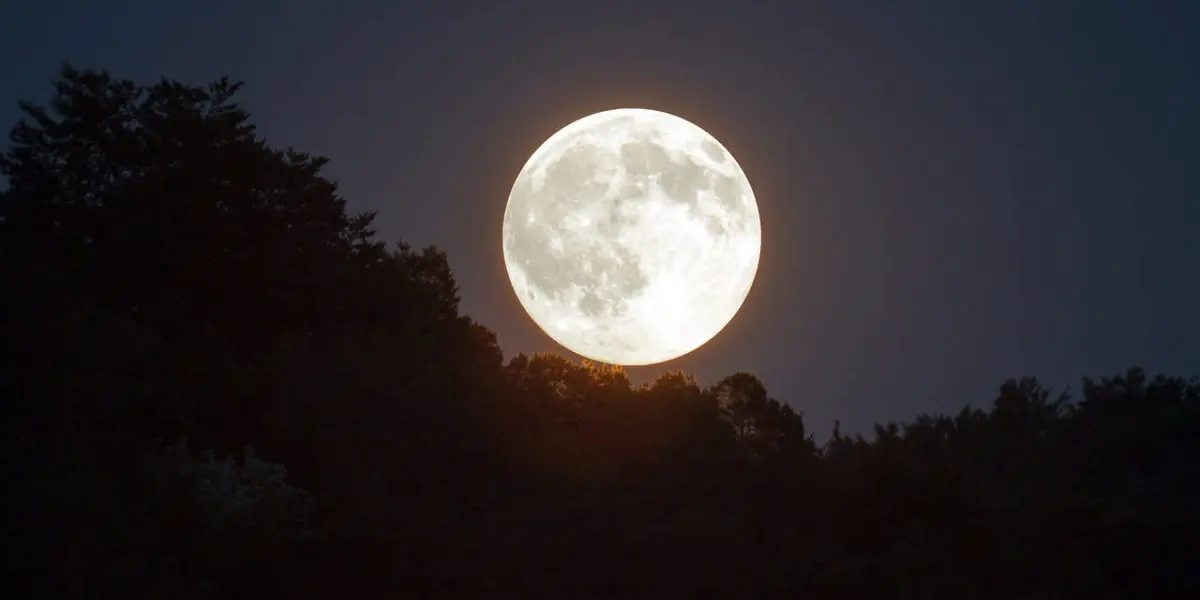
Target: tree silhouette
x,y
183,292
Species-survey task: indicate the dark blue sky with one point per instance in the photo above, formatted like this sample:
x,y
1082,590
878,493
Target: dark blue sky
x,y
953,193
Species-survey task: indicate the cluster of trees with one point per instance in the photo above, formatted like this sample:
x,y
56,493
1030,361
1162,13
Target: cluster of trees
x,y
217,383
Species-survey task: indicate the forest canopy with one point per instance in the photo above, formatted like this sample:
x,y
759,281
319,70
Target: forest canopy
x,y
219,383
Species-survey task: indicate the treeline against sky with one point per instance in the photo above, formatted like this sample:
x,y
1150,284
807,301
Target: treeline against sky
x,y
218,383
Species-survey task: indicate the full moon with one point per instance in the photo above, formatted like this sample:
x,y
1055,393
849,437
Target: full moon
x,y
631,237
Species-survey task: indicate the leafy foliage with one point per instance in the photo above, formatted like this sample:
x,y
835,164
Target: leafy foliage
x,y
174,277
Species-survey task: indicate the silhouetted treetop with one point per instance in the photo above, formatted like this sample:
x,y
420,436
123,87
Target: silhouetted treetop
x,y
163,201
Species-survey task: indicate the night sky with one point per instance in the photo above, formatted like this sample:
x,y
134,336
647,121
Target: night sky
x,y
953,193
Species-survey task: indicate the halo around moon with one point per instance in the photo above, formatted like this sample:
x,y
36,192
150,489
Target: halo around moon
x,y
631,237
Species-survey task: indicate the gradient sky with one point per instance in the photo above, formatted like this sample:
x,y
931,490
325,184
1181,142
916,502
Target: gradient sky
x,y
953,193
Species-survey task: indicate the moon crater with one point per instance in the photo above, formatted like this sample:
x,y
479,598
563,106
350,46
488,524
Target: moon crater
x,y
631,236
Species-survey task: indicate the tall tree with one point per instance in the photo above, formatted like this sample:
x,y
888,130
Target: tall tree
x,y
163,202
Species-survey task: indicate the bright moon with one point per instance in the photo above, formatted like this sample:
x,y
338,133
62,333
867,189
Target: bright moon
x,y
631,236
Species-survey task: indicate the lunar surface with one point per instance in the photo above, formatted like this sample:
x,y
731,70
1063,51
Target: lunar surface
x,y
631,237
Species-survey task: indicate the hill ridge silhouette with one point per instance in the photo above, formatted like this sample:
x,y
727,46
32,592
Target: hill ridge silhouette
x,y
219,383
